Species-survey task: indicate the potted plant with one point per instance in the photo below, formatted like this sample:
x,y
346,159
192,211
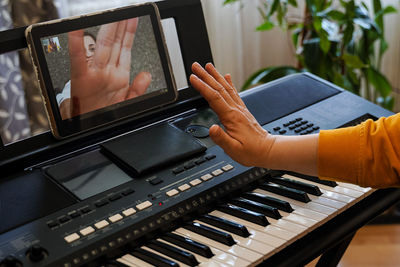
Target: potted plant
x,y
340,41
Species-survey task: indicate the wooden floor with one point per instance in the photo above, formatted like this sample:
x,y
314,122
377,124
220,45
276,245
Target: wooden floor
x,y
373,245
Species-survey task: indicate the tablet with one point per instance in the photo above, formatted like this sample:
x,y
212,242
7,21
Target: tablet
x,y
99,68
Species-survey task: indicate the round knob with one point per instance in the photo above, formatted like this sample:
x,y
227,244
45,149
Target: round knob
x,y
36,253
10,261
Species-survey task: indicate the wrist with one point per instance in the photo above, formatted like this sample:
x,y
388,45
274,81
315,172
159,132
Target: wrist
x,y
268,147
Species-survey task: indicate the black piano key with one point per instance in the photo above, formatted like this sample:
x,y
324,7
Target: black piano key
x,y
274,202
227,225
244,214
257,207
152,258
285,191
114,264
315,179
173,252
308,188
188,244
211,233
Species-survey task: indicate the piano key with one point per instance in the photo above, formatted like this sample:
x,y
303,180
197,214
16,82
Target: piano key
x,y
298,219
203,261
253,244
189,244
261,237
285,191
120,263
274,202
211,233
355,187
152,258
317,180
234,250
245,214
225,225
329,210
173,252
257,207
155,252
134,261
295,184
338,189
311,214
281,232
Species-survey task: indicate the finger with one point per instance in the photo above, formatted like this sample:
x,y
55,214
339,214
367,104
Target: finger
x,y
139,85
77,53
125,56
224,140
228,78
220,79
213,97
208,79
104,44
119,36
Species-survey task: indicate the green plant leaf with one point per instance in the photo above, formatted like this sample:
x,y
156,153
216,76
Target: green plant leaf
x,y
293,2
336,15
268,74
324,43
353,61
267,25
274,7
226,2
379,81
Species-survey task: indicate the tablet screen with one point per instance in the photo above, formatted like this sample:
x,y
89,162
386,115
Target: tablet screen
x,y
100,68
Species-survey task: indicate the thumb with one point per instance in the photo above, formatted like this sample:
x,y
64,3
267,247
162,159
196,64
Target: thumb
x,y
224,140
139,85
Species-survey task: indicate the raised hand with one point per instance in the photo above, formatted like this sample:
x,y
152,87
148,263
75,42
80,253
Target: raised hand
x,y
244,140
103,80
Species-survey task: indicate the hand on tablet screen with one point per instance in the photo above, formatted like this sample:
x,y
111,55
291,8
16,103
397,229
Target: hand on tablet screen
x,y
100,68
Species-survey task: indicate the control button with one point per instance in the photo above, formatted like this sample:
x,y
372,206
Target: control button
x,y
86,231
297,124
10,261
184,187
292,121
101,224
195,182
310,125
128,191
292,127
282,131
303,127
189,165
286,124
276,128
217,172
178,170
63,219
74,214
227,167
72,237
52,224
303,133
206,177
315,128
156,181
200,161
129,212
172,192
310,131
86,210
101,203
115,218
210,157
299,119
144,205
297,130
115,197
36,253
304,122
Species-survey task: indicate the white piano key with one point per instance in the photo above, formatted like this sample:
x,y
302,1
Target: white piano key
x,y
355,187
310,214
298,219
337,196
329,210
127,263
271,229
136,261
221,256
338,189
251,242
181,264
236,250
330,202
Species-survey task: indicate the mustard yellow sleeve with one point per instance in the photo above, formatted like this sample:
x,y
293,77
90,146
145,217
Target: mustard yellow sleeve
x,y
367,154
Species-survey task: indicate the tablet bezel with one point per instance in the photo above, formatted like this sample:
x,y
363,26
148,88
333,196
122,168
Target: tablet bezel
x,y
107,115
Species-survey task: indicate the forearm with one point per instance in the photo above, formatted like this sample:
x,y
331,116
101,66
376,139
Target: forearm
x,y
293,153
